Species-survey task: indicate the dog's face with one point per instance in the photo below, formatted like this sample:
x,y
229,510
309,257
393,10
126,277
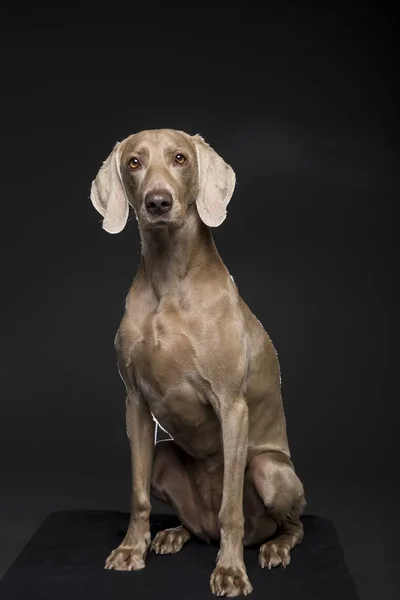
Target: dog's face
x,y
160,173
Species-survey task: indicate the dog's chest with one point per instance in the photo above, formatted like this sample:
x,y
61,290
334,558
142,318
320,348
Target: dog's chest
x,y
164,350
166,372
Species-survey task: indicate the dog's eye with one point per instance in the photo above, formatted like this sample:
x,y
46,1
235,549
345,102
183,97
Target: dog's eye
x,y
180,159
134,163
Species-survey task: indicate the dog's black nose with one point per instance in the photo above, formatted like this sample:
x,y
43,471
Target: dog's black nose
x,y
158,203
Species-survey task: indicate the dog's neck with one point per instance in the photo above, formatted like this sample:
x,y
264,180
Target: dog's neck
x,y
170,255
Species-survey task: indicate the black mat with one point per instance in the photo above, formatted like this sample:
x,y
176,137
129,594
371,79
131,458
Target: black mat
x,y
64,561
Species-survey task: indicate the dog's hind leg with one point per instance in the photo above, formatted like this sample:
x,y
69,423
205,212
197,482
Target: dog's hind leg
x,y
283,495
172,484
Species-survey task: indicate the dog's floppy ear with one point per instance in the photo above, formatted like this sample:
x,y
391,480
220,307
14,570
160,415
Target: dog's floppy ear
x,y
216,184
108,194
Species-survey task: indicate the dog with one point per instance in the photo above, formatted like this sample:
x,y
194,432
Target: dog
x,y
195,361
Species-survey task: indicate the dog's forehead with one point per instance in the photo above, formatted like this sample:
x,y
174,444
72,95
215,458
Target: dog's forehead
x,y
157,139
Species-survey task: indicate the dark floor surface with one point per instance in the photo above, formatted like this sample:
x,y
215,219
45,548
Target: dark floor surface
x,y
64,560
361,511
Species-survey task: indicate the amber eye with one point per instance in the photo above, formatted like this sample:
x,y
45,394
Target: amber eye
x,y
180,159
134,163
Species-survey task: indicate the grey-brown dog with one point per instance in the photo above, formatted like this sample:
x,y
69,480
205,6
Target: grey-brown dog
x,y
195,359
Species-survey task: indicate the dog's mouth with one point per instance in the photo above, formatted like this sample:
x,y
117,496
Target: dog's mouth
x,y
171,219
162,223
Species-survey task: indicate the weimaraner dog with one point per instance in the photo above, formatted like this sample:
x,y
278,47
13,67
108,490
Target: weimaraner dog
x,y
196,361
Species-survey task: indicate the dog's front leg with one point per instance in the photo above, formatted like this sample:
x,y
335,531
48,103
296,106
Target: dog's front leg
x,y
131,554
229,577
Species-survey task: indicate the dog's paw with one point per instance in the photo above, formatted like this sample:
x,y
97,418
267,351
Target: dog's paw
x,y
170,541
230,581
272,555
127,557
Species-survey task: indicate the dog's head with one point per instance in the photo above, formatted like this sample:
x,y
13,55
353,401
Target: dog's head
x,y
160,173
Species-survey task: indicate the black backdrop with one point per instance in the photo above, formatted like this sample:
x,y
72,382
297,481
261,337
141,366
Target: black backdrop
x,y
301,102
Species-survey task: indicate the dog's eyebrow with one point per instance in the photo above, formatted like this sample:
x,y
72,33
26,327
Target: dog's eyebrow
x,y
176,148
140,151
